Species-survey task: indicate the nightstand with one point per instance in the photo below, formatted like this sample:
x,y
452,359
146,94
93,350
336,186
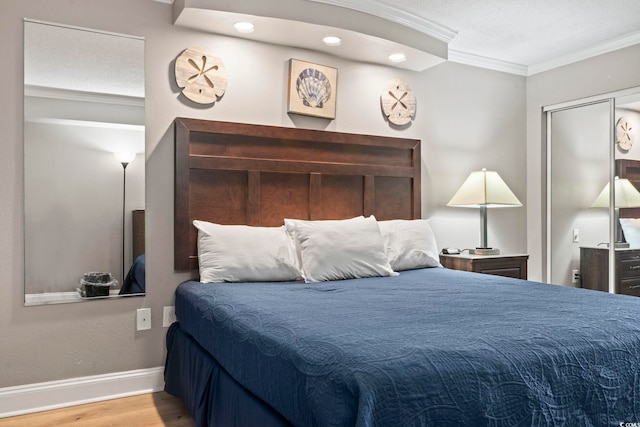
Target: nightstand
x,y
499,265
594,270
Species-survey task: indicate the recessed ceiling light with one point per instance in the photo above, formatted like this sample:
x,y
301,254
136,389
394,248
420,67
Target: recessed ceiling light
x,y
397,57
243,27
332,41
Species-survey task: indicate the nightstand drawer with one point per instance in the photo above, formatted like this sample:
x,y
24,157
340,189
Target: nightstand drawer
x,y
630,265
499,265
515,272
630,287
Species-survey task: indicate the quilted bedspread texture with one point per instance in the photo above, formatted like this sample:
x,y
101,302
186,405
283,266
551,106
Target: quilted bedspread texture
x,y
430,347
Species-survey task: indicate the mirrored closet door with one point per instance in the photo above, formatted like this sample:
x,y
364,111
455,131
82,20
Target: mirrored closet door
x,y
590,237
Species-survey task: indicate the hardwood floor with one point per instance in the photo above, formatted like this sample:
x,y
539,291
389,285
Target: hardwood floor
x,y
146,410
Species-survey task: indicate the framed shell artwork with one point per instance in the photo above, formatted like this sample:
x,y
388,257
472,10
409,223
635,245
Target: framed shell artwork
x,y
201,75
312,89
398,102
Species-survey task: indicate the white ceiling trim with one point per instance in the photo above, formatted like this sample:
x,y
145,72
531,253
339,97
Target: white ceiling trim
x,y
398,16
364,39
488,63
85,123
445,34
601,49
78,95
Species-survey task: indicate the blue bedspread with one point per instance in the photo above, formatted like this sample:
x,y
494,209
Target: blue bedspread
x,y
430,347
134,282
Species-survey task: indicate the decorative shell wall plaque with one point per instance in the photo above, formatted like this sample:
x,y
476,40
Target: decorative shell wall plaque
x,y
312,89
201,74
398,102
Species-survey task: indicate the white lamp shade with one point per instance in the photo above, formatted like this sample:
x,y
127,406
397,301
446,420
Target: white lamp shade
x,y
484,188
125,156
626,195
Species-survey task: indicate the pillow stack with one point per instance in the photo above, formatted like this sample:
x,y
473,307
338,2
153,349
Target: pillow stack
x,y
315,251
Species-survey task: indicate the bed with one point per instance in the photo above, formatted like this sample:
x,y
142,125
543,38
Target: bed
x,y
429,346
134,282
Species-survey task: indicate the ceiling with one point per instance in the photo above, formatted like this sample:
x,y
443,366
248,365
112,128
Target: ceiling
x,y
530,34
99,62
516,36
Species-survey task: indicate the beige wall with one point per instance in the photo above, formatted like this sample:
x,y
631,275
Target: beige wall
x,y
606,73
467,118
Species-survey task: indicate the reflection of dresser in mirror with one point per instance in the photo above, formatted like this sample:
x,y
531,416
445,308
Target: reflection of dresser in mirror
x,y
594,270
138,233
594,261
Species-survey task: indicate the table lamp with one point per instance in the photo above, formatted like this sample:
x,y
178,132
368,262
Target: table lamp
x,y
626,196
484,189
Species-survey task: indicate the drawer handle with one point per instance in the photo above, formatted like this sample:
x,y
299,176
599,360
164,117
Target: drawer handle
x,y
634,267
634,286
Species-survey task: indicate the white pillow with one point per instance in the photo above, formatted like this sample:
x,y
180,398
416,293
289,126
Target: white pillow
x,y
339,249
241,253
409,244
631,230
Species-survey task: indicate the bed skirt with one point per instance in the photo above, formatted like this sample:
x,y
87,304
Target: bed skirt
x,y
212,396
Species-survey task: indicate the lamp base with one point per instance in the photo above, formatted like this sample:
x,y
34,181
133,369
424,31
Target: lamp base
x,y
484,251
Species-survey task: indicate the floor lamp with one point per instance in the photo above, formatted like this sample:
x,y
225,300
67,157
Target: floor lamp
x,y
484,189
124,157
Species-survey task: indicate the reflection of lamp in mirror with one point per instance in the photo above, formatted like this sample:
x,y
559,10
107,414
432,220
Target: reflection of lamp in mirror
x,y
626,196
124,157
484,189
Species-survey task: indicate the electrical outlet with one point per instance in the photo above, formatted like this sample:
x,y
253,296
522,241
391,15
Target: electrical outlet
x,y
143,319
168,316
576,235
575,276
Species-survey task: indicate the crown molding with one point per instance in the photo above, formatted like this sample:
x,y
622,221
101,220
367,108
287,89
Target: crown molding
x,y
489,63
398,16
77,95
599,49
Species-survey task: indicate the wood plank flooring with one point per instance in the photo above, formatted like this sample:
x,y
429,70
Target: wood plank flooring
x,y
146,410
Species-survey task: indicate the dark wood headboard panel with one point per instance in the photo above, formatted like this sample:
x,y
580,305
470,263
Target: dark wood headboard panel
x,y
234,173
629,169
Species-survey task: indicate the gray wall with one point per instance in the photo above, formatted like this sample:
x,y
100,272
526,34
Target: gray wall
x,y
467,118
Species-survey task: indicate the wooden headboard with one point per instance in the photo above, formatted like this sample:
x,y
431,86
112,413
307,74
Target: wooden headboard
x,y
233,173
629,169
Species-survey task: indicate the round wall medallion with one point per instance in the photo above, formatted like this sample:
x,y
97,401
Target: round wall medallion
x,y
398,102
201,75
624,137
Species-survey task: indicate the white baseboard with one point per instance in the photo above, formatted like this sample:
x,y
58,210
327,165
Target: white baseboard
x,y
26,399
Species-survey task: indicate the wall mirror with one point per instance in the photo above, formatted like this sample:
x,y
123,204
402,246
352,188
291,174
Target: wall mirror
x,y
84,164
